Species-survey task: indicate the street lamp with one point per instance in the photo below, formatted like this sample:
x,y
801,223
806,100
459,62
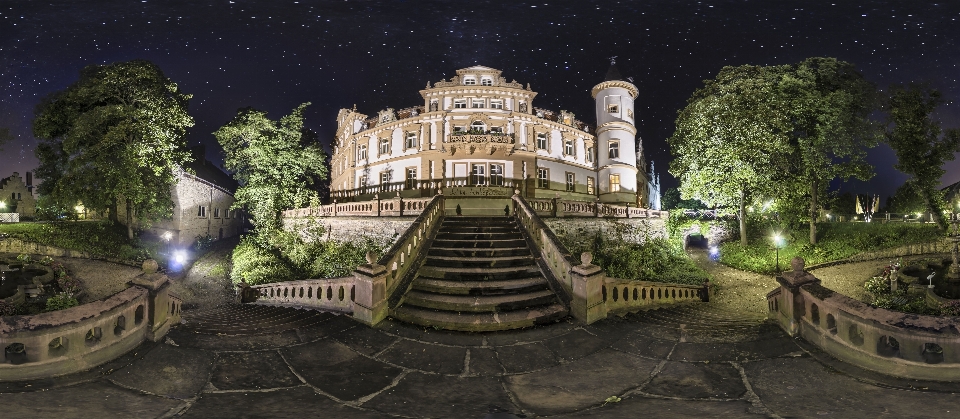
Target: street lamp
x,y
777,240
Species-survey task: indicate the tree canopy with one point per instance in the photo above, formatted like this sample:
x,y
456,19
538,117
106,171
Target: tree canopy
x,y
276,163
5,136
114,137
922,147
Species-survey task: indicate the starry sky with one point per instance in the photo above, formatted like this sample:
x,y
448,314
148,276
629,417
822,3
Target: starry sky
x,y
274,55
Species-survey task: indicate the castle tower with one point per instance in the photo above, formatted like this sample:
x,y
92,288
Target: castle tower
x,y
616,138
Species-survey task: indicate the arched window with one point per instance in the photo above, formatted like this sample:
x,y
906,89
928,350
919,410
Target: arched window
x,y
477,126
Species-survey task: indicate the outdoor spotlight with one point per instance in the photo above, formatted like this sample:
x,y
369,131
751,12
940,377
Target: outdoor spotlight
x,y
167,236
3,204
180,256
714,250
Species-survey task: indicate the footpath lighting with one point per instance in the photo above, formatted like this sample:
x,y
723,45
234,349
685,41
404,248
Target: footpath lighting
x,y
180,257
777,242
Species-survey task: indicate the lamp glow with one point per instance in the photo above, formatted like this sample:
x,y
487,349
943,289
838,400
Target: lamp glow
x,y
180,256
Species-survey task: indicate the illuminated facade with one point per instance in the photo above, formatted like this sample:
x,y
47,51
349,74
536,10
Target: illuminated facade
x,y
476,130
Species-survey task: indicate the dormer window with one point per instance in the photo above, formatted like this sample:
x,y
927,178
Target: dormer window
x,y
459,103
486,81
496,103
470,81
385,118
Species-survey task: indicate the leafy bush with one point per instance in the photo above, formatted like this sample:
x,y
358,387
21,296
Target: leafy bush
x,y
255,262
7,308
877,285
61,301
951,308
836,241
97,238
203,242
69,284
656,259
46,261
24,258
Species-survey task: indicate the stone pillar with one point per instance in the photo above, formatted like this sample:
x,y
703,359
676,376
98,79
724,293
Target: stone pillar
x,y
587,304
159,319
792,306
370,302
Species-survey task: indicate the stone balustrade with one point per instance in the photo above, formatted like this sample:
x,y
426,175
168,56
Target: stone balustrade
x,y
334,294
393,207
901,344
81,337
563,208
624,295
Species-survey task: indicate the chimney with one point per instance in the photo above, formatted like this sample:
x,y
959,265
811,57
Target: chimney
x,y
29,179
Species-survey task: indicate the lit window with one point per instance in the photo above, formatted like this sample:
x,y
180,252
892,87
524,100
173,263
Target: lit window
x,y
411,181
614,183
362,152
202,212
589,154
590,185
478,175
543,178
384,146
542,141
570,182
496,104
486,81
568,147
459,103
613,108
496,174
411,140
470,81
614,151
477,103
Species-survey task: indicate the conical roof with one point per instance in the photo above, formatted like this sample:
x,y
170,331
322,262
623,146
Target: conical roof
x,y
613,74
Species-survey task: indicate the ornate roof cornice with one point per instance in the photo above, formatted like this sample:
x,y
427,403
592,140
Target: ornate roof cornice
x,y
615,83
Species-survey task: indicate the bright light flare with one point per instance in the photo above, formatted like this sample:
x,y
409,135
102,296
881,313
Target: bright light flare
x,y
180,256
167,236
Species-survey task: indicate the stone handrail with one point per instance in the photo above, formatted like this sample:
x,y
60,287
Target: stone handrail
x,y
564,208
890,342
393,207
334,294
554,254
626,295
78,338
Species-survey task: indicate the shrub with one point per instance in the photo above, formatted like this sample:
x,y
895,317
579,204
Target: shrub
x,y
46,261
101,239
656,259
24,258
203,242
951,308
255,263
7,308
61,301
877,285
69,284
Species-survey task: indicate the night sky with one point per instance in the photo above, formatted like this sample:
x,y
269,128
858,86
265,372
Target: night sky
x,y
273,55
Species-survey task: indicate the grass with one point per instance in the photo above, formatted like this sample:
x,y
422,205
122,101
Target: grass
x,y
836,241
97,238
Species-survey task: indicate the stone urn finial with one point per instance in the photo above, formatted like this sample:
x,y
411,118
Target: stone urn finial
x,y
586,258
149,266
371,257
797,264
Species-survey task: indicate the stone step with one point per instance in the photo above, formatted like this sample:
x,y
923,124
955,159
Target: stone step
x,y
478,274
481,322
462,220
492,252
479,262
479,303
478,236
460,287
484,244
448,228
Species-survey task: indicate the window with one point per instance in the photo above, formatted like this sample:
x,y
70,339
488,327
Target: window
x,y
385,118
384,146
458,129
612,108
589,154
570,182
202,212
496,175
216,213
568,147
615,183
477,103
542,140
470,81
486,81
411,181
543,178
496,104
411,140
477,126
629,113
478,175
384,178
226,213
498,130
459,103
362,152
590,185
362,182
614,151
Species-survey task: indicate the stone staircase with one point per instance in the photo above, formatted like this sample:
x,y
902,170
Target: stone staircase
x,y
479,275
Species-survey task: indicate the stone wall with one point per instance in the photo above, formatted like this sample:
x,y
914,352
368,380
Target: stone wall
x,y
346,229
634,230
9,245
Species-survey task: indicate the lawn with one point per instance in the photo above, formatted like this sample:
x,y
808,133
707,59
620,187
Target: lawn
x,y
97,238
836,241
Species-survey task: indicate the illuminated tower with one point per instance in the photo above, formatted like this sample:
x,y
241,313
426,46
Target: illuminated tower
x,y
616,138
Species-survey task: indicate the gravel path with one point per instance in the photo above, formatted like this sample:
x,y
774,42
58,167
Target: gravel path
x,y
735,290
206,284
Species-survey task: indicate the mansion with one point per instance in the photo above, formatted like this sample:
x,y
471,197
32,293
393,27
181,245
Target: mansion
x,y
480,133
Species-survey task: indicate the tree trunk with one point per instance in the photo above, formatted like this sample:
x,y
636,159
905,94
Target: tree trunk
x,y
935,212
129,220
813,211
743,217
112,215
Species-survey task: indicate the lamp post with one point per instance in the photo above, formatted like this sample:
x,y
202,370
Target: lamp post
x,y
776,245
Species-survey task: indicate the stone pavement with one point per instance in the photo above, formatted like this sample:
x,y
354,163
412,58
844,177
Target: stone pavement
x,y
694,360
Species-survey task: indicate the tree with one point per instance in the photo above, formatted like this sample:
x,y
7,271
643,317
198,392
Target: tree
x,y
671,200
921,145
906,200
274,162
828,103
5,136
729,141
114,137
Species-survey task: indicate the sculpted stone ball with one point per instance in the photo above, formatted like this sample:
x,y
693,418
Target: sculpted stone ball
x,y
371,257
149,266
797,264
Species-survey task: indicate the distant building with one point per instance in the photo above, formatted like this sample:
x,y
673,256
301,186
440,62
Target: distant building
x,y
477,129
201,204
17,195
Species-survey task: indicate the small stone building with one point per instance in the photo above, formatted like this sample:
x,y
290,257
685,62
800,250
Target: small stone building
x,y
18,195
